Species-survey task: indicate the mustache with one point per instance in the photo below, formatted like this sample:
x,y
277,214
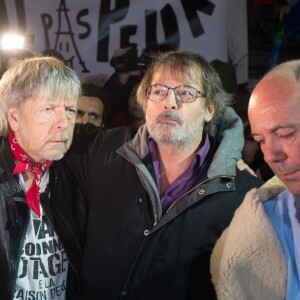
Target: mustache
x,y
171,115
63,136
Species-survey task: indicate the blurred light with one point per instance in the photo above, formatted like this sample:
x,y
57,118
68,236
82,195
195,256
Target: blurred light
x,y
10,41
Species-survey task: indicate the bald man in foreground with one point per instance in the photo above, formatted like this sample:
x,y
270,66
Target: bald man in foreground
x,y
258,256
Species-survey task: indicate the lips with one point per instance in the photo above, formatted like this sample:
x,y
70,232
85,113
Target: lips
x,y
59,139
287,176
169,118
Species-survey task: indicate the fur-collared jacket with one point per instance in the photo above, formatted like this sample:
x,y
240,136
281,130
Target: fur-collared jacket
x,y
247,262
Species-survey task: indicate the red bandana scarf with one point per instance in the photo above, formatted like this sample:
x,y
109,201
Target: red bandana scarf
x,y
25,164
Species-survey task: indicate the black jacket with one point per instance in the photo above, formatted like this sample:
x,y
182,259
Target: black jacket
x,y
132,250
62,203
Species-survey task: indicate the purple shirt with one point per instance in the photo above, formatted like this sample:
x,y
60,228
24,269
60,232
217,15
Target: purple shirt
x,y
184,182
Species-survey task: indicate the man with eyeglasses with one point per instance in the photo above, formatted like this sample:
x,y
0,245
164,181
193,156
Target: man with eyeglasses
x,y
160,198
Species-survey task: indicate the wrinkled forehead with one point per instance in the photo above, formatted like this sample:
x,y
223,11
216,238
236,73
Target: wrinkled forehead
x,y
55,96
184,73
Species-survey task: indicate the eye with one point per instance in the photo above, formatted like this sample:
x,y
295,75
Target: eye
x,y
48,109
159,91
94,116
258,140
287,135
79,113
71,110
187,92
184,93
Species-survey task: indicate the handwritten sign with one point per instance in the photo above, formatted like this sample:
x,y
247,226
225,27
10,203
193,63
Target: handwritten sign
x,y
87,32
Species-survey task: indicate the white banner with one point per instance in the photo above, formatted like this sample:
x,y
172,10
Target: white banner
x,y
87,32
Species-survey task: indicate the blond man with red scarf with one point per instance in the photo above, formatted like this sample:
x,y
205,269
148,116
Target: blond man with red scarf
x,y
41,220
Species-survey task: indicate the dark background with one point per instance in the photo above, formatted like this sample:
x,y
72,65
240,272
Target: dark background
x,y
264,26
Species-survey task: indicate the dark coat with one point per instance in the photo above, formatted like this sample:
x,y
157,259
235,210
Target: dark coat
x,y
62,203
132,250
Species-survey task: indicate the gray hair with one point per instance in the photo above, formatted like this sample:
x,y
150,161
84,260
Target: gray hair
x,y
33,77
191,66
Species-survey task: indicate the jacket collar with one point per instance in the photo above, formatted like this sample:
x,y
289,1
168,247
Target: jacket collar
x,y
270,189
7,163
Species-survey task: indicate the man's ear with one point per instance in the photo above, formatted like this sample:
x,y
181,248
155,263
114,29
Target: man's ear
x,y
210,112
13,118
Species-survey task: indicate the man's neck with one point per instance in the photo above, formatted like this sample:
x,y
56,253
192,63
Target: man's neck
x,y
28,178
172,163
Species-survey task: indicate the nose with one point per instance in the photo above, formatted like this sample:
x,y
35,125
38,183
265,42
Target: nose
x,y
170,102
273,151
62,121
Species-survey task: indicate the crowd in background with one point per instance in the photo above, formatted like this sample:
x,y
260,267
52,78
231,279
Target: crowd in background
x,y
114,104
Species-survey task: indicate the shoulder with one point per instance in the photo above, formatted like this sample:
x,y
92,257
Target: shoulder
x,y
250,242
124,132
245,181
258,191
115,137
270,189
86,136
251,210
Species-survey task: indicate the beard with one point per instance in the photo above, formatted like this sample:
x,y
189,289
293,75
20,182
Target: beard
x,y
61,149
44,149
179,133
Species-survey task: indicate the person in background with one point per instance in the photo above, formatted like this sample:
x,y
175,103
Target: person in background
x,y
122,84
93,105
257,257
227,75
136,114
160,198
42,212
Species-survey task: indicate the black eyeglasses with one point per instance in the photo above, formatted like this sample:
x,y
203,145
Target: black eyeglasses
x,y
183,93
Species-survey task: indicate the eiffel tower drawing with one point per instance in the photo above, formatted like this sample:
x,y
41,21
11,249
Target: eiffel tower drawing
x,y
65,37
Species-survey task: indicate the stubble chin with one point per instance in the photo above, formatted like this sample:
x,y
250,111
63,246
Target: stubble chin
x,y
54,156
57,153
167,135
